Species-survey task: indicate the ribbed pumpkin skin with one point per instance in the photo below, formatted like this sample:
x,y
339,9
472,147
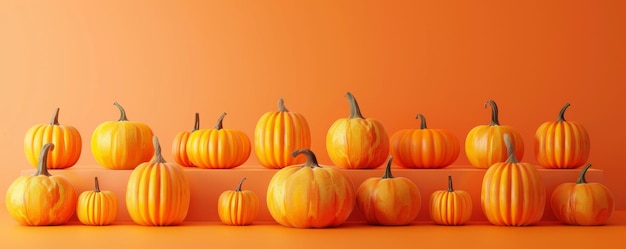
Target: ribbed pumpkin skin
x,y
96,208
67,141
179,145
238,207
279,133
450,207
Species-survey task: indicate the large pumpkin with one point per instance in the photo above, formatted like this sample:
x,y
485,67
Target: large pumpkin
x,y
158,193
310,196
66,138
450,207
238,207
41,199
96,207
179,145
122,144
424,148
357,142
484,144
279,133
561,144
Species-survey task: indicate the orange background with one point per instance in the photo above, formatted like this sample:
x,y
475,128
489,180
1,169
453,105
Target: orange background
x,y
164,61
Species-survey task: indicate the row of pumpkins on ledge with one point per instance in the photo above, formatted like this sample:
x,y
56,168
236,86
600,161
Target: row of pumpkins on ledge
x,y
310,196
355,142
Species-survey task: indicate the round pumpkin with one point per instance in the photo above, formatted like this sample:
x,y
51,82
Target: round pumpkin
x,y
357,142
238,207
122,144
450,207
179,145
484,144
561,144
66,138
583,203
424,148
388,200
96,207
310,196
41,199
279,133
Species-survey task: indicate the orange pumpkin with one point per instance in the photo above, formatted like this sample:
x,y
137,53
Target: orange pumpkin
x,y
310,196
513,193
96,208
158,192
388,200
179,146
450,207
238,207
122,144
484,144
218,148
41,199
67,140
357,142
583,203
424,148
561,144
279,133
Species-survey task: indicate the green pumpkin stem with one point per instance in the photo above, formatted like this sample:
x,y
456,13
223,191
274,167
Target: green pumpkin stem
x,y
158,157
388,174
510,150
561,117
422,121
97,185
281,106
122,112
238,189
581,177
494,112
355,111
196,124
218,125
42,166
311,160
450,188
55,117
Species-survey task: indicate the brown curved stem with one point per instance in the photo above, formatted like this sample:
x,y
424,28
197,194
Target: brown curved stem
x,y
55,117
219,125
561,117
281,106
311,160
196,124
355,111
581,177
450,188
494,112
158,157
42,166
510,150
122,112
238,189
97,185
388,174
422,121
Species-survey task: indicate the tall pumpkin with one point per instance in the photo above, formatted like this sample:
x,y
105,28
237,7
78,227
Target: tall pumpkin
x,y
122,144
158,192
484,144
279,133
66,138
179,145
513,193
357,142
41,199
424,148
310,196
562,144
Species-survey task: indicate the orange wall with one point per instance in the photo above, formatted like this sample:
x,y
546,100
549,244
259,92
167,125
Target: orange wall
x,y
165,61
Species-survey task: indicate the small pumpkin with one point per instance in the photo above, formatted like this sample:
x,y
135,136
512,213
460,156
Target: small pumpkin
x,y
388,200
583,203
179,145
41,199
357,142
450,207
279,133
562,144
67,140
484,144
158,192
218,148
122,144
310,196
96,207
424,148
238,207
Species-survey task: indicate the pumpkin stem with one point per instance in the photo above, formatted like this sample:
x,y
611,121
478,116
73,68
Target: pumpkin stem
x,y
561,117
311,160
42,166
158,157
122,112
97,185
510,150
450,188
238,189
55,117
581,177
219,126
422,121
388,174
355,111
494,112
281,106
196,124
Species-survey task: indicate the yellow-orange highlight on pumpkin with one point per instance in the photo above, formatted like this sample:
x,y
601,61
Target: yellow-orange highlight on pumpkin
x,y
238,207
66,139
450,207
96,207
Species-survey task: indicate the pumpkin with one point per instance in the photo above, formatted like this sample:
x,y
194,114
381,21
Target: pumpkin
x,y
310,196
357,142
66,138
512,193
279,133
179,145
218,148
158,192
583,203
424,148
96,207
561,144
484,144
41,199
388,200
122,144
238,207
450,207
